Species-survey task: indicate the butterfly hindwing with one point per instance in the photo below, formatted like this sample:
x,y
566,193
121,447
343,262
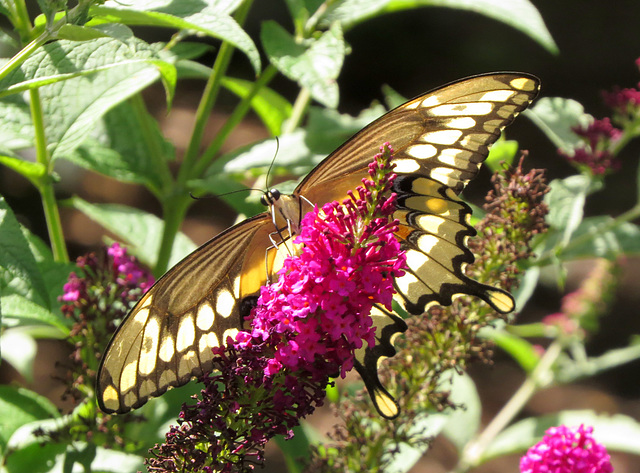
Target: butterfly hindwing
x,y
440,139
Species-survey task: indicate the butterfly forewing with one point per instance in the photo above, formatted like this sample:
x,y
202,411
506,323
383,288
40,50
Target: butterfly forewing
x,y
440,139
167,337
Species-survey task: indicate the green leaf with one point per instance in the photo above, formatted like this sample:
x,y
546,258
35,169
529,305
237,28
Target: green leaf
x,y
272,108
18,311
296,448
520,14
519,349
502,151
314,65
463,423
141,231
555,116
19,406
192,15
603,237
16,129
19,273
351,12
72,103
113,461
328,129
618,432
79,33
566,204
406,456
125,146
54,273
19,350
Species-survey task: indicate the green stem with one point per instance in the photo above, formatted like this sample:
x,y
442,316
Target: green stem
x,y
174,211
23,55
594,232
236,117
20,20
297,113
541,376
175,204
207,101
45,184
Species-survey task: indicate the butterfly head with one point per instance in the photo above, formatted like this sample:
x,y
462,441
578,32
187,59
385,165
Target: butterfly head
x,y
270,197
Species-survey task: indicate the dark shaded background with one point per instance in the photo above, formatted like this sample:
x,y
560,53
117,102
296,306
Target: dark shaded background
x,y
412,52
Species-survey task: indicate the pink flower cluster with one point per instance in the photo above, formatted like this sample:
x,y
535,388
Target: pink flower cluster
x,y
304,331
596,154
317,313
567,450
128,270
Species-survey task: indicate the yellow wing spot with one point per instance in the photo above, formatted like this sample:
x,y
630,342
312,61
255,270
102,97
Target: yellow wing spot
x,y
129,376
208,341
506,111
502,301
230,332
130,399
497,96
167,377
430,223
462,109
385,404
407,283
110,398
406,165
147,387
186,333
462,123
455,153
236,288
492,125
167,348
149,349
522,83
146,301
188,361
449,177
473,141
422,151
427,242
442,137
452,195
429,102
425,186
225,303
140,318
433,205
205,345
451,160
205,317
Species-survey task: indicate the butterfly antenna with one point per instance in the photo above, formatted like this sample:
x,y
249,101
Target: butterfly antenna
x,y
272,162
214,196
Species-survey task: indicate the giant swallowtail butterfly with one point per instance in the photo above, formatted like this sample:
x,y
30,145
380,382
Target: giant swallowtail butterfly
x,y
440,140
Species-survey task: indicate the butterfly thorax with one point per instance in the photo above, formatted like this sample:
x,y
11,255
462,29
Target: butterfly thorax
x,y
287,210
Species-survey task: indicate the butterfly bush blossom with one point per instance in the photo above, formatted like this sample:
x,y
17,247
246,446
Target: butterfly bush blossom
x,y
567,450
304,330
